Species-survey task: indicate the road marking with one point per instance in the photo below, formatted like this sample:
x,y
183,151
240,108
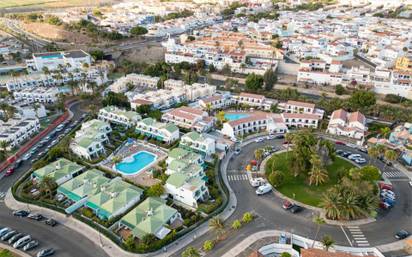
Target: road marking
x,y
358,236
364,244
237,177
343,230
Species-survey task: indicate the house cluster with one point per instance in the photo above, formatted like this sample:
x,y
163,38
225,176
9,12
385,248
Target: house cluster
x,y
38,94
18,130
400,139
189,118
89,141
118,116
349,124
238,51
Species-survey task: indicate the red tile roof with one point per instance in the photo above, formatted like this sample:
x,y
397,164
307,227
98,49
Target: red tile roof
x,y
301,104
252,95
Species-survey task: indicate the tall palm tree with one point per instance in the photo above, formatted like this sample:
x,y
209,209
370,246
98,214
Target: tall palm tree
x,y
373,152
3,150
318,221
258,154
327,242
318,174
330,204
217,225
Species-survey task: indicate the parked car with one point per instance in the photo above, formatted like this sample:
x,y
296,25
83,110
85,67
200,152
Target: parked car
x,y
383,185
363,150
18,163
237,151
280,136
21,213
360,161
45,252
51,222
26,156
346,154
385,205
35,216
339,143
4,231
339,152
270,137
410,183
264,189
260,139
30,245
22,241
287,204
8,235
354,156
9,172
402,234
256,182
15,238
296,208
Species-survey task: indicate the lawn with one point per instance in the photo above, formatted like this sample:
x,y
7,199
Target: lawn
x,y
7,253
297,187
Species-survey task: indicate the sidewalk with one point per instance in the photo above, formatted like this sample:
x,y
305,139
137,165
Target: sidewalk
x,y
11,249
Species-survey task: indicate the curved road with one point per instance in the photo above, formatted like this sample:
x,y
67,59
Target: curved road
x,y
65,241
270,214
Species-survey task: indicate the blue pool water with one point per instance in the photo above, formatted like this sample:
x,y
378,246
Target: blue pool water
x,y
235,116
51,56
135,163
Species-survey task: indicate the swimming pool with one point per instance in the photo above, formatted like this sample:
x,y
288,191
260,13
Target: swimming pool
x,y
235,116
134,164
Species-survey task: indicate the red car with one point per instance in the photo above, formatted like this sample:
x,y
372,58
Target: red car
x,y
287,204
383,185
9,172
340,143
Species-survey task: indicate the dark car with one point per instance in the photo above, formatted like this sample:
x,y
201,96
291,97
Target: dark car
x,y
18,163
36,216
346,154
16,237
9,235
363,150
280,136
296,208
21,213
402,234
45,252
51,222
339,152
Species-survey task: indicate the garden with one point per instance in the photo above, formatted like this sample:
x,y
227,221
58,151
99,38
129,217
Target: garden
x,y
311,173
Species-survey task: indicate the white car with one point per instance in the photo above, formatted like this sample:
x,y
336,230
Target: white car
x,y
22,241
360,161
354,156
26,156
258,140
255,182
264,189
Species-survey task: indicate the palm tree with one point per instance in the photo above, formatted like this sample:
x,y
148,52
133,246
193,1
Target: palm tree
x,y
318,174
327,242
289,138
373,152
390,155
209,108
258,154
217,225
330,204
318,221
3,150
385,132
190,252
47,186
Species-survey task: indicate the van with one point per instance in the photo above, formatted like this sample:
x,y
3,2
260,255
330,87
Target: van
x,y
264,189
256,182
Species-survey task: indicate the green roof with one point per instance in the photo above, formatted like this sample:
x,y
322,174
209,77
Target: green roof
x,y
171,127
58,169
193,135
177,179
129,114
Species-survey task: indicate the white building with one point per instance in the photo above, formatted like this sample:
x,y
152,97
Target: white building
x,y
74,59
254,100
320,72
198,143
300,107
18,130
160,99
347,124
187,190
189,118
301,120
124,84
89,141
115,115
253,123
164,132
38,94
215,102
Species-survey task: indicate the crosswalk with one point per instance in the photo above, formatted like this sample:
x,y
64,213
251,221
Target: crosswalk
x,y
237,177
394,174
358,236
2,195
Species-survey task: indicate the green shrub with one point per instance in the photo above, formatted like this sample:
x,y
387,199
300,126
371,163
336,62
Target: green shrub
x,y
208,245
247,217
236,224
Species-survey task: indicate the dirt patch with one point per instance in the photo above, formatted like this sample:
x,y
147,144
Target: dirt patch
x,y
150,53
56,33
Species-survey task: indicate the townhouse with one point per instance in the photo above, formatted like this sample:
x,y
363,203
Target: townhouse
x,y
73,59
160,99
131,80
215,102
113,198
38,94
115,115
187,190
186,162
300,114
89,141
189,118
194,141
152,217
18,130
254,122
317,71
254,100
60,171
164,132
349,124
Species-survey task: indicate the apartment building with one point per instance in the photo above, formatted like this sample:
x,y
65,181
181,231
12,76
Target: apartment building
x,y
198,143
38,94
186,162
254,100
300,107
18,130
73,59
301,120
189,118
124,84
347,124
317,71
60,171
253,123
89,141
215,102
187,190
404,63
160,99
115,115
164,132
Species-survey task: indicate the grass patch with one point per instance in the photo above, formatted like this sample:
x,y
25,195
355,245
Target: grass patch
x,y
297,187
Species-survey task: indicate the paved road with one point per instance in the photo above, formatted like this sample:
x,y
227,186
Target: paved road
x,y
270,214
66,242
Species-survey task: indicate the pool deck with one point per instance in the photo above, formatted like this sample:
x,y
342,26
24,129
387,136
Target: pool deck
x,y
144,176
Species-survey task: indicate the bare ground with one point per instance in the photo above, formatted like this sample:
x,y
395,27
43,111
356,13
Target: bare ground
x,y
150,53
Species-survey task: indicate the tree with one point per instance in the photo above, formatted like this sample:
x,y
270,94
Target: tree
x,y
274,108
236,224
221,116
254,82
130,243
368,173
318,221
327,242
390,155
318,174
373,152
217,225
156,190
208,245
259,154
362,99
117,99
190,252
47,186
226,70
138,31
212,68
148,239
276,178
385,131
340,90
247,217
97,54
330,204
269,79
